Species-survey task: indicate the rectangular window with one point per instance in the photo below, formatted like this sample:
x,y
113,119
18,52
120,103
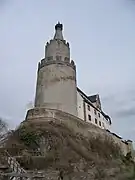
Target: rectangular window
x,y
89,117
99,115
95,112
58,58
95,121
88,107
99,123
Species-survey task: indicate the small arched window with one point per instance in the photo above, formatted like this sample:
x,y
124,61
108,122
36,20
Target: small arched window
x,y
58,58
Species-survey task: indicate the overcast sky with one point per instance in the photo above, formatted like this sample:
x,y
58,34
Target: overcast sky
x,y
101,34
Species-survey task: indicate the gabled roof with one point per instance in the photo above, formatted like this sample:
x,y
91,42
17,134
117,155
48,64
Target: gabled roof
x,y
92,98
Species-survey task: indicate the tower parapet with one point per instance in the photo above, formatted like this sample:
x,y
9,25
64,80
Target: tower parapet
x,y
57,49
45,62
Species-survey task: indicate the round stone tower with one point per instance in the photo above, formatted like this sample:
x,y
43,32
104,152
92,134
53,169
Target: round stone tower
x,y
56,76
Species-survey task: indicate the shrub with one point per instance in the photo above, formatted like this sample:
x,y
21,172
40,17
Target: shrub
x,y
29,136
99,174
104,147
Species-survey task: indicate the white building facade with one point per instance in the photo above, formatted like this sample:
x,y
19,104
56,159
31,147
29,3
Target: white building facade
x,y
89,110
57,88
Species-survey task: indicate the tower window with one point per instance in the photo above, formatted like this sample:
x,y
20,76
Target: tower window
x,y
95,121
89,117
95,112
88,107
66,59
99,123
99,115
58,58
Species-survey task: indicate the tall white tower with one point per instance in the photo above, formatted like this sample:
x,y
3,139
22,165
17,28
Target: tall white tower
x,y
56,76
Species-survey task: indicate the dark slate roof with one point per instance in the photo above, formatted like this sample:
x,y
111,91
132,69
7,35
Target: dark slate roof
x,y
124,141
129,140
90,103
116,135
92,98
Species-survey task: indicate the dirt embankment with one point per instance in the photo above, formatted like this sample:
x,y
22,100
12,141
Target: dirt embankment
x,y
54,146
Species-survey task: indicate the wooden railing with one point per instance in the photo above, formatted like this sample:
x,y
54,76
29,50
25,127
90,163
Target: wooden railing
x,y
15,167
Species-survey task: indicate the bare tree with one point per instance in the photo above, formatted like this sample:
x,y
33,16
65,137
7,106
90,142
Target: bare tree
x,y
3,126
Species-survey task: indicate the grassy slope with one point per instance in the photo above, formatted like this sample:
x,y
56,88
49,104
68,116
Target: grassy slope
x,y
69,152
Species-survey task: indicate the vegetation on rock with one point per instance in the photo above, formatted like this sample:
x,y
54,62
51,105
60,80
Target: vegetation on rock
x,y
54,146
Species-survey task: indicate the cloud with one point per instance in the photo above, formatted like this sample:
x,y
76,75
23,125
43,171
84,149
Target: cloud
x,y
121,107
126,113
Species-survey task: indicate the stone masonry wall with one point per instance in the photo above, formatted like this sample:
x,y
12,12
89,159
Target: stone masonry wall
x,y
56,84
42,114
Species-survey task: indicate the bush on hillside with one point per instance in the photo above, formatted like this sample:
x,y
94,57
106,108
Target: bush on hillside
x,y
105,147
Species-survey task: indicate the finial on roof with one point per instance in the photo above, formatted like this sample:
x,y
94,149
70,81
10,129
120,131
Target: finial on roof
x,y
59,26
58,31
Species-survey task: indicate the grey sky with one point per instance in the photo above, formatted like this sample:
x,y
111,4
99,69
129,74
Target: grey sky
x,y
102,40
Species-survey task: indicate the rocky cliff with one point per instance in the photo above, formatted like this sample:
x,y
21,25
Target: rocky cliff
x,y
60,152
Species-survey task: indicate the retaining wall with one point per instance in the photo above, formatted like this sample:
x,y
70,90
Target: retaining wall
x,y
38,115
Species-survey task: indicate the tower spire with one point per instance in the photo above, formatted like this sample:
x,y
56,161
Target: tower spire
x,y
58,31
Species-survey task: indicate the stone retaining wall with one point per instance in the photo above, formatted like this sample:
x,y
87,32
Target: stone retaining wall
x,y
78,125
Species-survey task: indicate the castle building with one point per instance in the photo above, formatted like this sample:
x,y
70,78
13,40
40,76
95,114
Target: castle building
x,y
57,86
58,97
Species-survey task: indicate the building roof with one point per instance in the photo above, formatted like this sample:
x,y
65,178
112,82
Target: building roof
x,y
87,100
58,31
59,26
124,141
93,98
